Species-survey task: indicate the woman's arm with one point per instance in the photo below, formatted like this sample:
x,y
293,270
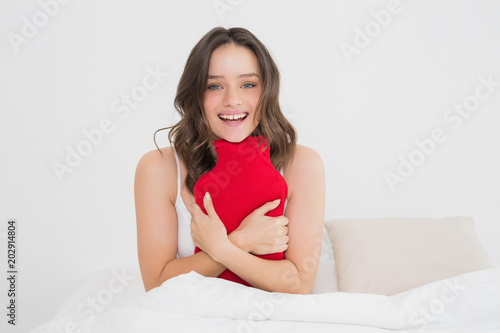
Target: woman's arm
x,y
155,191
155,194
305,212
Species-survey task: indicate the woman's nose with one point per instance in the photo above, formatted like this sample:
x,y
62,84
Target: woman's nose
x,y
232,97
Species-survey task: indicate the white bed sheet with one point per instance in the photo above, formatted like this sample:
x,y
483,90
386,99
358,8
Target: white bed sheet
x,y
193,303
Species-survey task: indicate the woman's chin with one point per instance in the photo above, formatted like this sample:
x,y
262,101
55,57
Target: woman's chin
x,y
234,137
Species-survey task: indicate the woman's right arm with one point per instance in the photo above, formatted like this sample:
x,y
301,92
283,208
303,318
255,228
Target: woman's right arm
x,y
155,191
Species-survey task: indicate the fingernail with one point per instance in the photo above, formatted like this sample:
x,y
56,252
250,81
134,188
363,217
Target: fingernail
x,y
277,201
207,196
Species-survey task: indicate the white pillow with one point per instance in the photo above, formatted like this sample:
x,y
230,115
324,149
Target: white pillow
x,y
390,255
326,277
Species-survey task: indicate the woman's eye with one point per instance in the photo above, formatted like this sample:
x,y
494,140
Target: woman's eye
x,y
248,85
214,87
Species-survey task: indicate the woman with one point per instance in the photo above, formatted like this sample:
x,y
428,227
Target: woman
x,y
229,90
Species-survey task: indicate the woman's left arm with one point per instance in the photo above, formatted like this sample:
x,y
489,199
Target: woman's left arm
x,y
305,178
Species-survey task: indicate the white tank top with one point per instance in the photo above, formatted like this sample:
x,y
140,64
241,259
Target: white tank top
x,y
185,246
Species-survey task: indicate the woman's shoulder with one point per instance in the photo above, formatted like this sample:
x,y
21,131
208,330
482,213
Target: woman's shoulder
x,y
157,167
305,171
157,158
305,159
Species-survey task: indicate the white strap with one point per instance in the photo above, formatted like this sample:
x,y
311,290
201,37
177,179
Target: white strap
x,y
178,175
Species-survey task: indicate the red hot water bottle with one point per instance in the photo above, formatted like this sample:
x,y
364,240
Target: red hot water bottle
x,y
243,180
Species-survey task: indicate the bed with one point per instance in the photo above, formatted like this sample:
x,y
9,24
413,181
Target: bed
x,y
375,275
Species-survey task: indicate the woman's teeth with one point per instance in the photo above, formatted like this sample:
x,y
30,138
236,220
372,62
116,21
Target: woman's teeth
x,y
233,116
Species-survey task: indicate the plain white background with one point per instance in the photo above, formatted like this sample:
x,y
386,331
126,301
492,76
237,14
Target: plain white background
x,y
67,73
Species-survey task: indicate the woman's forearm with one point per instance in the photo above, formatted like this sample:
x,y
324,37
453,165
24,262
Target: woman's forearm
x,y
270,275
199,262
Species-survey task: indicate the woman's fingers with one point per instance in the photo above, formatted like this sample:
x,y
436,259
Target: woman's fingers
x,y
280,221
207,230
280,247
194,209
209,205
268,206
284,221
284,230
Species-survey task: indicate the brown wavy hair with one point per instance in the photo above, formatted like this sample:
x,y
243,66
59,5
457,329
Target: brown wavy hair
x,y
192,137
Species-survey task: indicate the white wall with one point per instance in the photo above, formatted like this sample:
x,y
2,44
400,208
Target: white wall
x,y
360,112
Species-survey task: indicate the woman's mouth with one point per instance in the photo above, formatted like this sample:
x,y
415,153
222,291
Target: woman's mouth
x,y
233,118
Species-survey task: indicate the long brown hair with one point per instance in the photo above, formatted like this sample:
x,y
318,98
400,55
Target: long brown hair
x,y
192,137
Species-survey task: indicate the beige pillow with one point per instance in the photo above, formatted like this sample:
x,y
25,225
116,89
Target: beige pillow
x,y
390,255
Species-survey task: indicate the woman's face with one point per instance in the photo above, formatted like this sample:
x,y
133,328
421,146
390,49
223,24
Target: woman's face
x,y
233,90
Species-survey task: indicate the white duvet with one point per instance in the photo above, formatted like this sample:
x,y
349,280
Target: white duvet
x,y
193,303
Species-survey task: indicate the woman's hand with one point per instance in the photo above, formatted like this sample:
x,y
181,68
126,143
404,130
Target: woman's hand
x,y
208,231
261,234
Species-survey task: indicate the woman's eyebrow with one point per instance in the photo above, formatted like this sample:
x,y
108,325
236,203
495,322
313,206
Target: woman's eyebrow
x,y
215,77
249,75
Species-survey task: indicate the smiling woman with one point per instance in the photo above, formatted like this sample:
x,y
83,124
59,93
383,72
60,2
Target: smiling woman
x,y
231,99
231,118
